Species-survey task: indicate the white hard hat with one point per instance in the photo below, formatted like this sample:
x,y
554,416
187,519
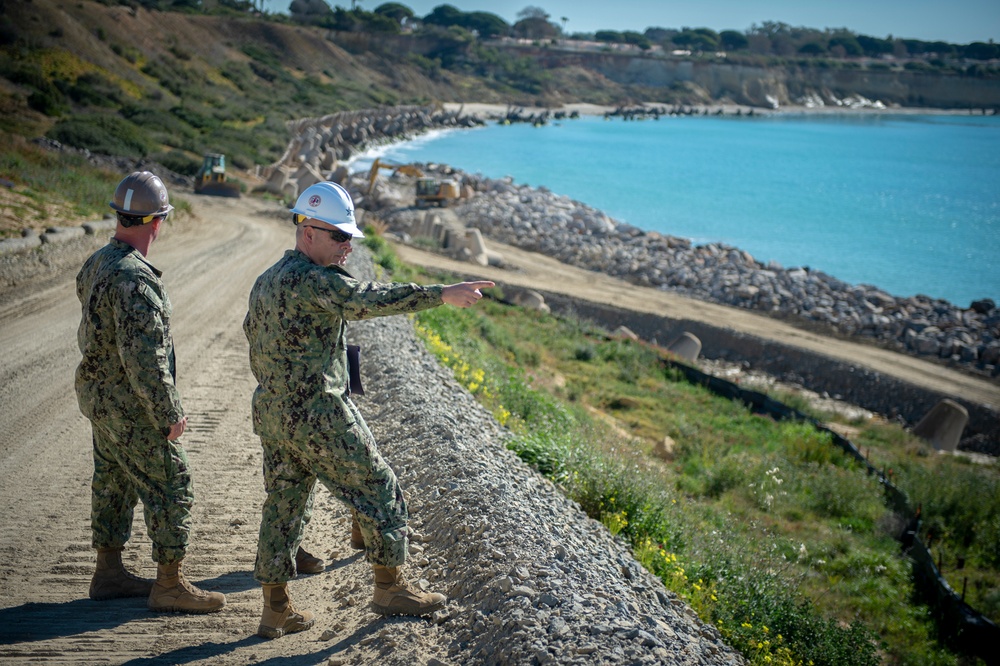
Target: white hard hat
x,y
328,203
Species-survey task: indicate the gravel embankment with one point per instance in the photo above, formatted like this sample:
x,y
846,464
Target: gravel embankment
x,y
530,578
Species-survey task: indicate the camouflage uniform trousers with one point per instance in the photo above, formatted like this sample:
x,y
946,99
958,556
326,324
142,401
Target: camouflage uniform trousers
x,y
351,467
138,462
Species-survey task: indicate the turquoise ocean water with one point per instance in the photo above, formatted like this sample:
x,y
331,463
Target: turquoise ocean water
x,y
907,203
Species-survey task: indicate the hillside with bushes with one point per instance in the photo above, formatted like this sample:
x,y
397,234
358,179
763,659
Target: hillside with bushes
x,y
171,81
132,81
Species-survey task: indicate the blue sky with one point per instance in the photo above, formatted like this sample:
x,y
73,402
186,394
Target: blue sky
x,y
957,22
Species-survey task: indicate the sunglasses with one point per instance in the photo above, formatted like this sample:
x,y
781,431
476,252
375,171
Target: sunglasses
x,y
138,220
337,235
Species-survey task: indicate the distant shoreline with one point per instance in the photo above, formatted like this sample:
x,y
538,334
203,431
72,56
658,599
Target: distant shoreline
x,y
488,111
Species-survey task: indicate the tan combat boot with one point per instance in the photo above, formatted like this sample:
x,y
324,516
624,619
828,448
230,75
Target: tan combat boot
x,y
173,592
112,580
279,616
394,597
307,563
357,539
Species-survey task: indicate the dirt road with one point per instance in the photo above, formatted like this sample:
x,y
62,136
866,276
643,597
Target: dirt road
x,y
45,456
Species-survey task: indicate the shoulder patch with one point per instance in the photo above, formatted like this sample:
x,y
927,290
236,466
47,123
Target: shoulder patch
x,y
150,296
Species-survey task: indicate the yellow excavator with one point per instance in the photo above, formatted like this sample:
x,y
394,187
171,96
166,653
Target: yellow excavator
x,y
211,178
405,169
429,191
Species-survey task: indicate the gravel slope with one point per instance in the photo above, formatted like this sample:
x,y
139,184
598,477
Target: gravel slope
x,y
532,578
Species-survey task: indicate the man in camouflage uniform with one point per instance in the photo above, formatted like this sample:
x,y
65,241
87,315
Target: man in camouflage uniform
x,y
309,428
125,385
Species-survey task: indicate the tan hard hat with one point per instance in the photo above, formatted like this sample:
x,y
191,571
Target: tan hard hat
x,y
141,194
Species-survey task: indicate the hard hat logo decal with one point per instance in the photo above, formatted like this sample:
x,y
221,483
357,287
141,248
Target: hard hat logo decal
x,y
315,200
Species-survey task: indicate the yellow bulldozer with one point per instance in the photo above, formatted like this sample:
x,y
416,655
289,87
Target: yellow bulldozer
x,y
211,178
429,191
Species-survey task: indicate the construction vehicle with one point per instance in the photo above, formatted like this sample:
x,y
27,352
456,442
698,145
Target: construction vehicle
x,y
211,178
429,190
405,169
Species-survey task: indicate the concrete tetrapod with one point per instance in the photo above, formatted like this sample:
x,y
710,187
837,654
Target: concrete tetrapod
x,y
687,346
942,426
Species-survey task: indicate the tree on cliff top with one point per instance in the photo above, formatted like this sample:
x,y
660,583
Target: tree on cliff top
x,y
485,24
533,23
394,10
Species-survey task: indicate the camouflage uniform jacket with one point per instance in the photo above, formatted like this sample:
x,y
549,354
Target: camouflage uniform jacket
x,y
296,326
128,370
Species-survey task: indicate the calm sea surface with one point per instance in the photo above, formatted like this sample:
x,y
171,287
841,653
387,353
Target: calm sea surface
x,y
907,203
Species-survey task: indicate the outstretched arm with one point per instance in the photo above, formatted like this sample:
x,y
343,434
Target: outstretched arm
x,y
464,294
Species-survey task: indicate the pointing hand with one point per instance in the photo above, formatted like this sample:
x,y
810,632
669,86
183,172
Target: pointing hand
x,y
464,294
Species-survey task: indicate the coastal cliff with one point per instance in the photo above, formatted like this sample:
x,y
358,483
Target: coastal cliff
x,y
771,87
614,75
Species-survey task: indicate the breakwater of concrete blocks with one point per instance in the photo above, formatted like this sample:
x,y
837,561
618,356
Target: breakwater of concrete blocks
x,y
443,230
320,147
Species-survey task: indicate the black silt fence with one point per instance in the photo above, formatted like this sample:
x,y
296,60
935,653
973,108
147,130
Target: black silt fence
x,y
959,625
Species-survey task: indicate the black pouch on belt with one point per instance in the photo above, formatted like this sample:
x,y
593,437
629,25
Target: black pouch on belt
x,y
354,370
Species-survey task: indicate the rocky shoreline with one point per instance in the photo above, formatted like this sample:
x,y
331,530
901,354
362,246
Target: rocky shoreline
x,y
542,221
538,220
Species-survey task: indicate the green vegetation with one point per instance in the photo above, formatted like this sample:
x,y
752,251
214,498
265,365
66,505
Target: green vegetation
x,y
960,507
383,256
765,528
46,184
174,99
48,188
109,135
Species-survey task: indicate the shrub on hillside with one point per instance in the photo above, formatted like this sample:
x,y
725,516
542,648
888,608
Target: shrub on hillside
x,y
44,97
177,162
164,127
182,82
195,118
94,89
109,135
49,101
